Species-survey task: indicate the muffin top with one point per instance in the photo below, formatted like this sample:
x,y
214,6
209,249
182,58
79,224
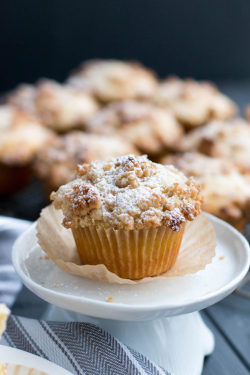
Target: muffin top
x,y
226,191
194,103
57,106
110,80
57,160
224,139
21,136
23,97
149,128
128,193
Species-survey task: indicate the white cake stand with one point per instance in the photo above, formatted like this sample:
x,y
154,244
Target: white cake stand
x,y
160,318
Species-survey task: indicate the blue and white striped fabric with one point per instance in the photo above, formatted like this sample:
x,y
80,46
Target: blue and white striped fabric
x,y
9,282
81,348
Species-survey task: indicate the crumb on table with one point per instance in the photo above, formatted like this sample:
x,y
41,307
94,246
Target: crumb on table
x,y
110,299
221,257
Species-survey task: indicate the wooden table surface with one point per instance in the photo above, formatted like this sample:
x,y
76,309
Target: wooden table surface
x,y
229,319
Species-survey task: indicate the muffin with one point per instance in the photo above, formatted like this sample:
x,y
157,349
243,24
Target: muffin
x,y
226,191
128,213
55,164
194,103
4,313
111,80
23,98
149,128
230,140
21,137
57,106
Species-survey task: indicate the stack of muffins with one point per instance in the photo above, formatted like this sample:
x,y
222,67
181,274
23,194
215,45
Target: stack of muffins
x,y
106,109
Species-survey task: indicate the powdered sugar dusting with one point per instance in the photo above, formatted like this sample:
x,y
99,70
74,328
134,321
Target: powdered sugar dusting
x,y
128,192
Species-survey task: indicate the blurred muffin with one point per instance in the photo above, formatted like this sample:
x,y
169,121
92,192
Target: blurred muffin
x,y
23,98
4,313
110,80
247,113
57,106
225,189
129,214
56,162
230,140
149,128
21,137
194,103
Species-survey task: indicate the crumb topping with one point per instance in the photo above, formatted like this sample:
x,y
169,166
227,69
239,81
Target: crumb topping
x,y
222,139
62,107
114,80
57,106
194,103
21,136
226,191
128,192
148,127
57,161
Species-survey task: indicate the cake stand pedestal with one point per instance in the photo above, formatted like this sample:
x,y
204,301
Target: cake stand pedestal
x,y
178,344
160,319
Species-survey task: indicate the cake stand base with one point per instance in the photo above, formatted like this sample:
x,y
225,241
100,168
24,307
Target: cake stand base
x,y
178,344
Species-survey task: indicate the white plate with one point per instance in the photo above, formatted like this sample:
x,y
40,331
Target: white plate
x,y
20,357
173,296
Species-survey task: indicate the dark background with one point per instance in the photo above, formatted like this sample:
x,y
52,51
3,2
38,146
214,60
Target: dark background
x,y
200,38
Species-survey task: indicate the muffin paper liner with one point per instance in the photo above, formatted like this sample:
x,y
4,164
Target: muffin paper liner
x,y
12,369
196,251
132,254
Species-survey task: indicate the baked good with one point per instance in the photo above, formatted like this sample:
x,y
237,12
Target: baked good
x,y
194,103
149,128
230,140
128,213
226,191
110,80
4,313
21,137
57,106
23,97
55,164
2,369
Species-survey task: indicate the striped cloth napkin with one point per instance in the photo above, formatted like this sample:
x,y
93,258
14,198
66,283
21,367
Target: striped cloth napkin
x,y
81,348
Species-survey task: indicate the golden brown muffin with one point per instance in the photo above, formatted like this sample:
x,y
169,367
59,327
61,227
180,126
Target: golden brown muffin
x,y
247,113
230,140
62,107
128,213
226,190
149,128
111,80
4,314
2,369
23,97
21,137
56,162
194,103
57,106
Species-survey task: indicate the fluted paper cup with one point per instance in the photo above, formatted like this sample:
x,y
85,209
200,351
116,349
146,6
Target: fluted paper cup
x,y
130,254
196,251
